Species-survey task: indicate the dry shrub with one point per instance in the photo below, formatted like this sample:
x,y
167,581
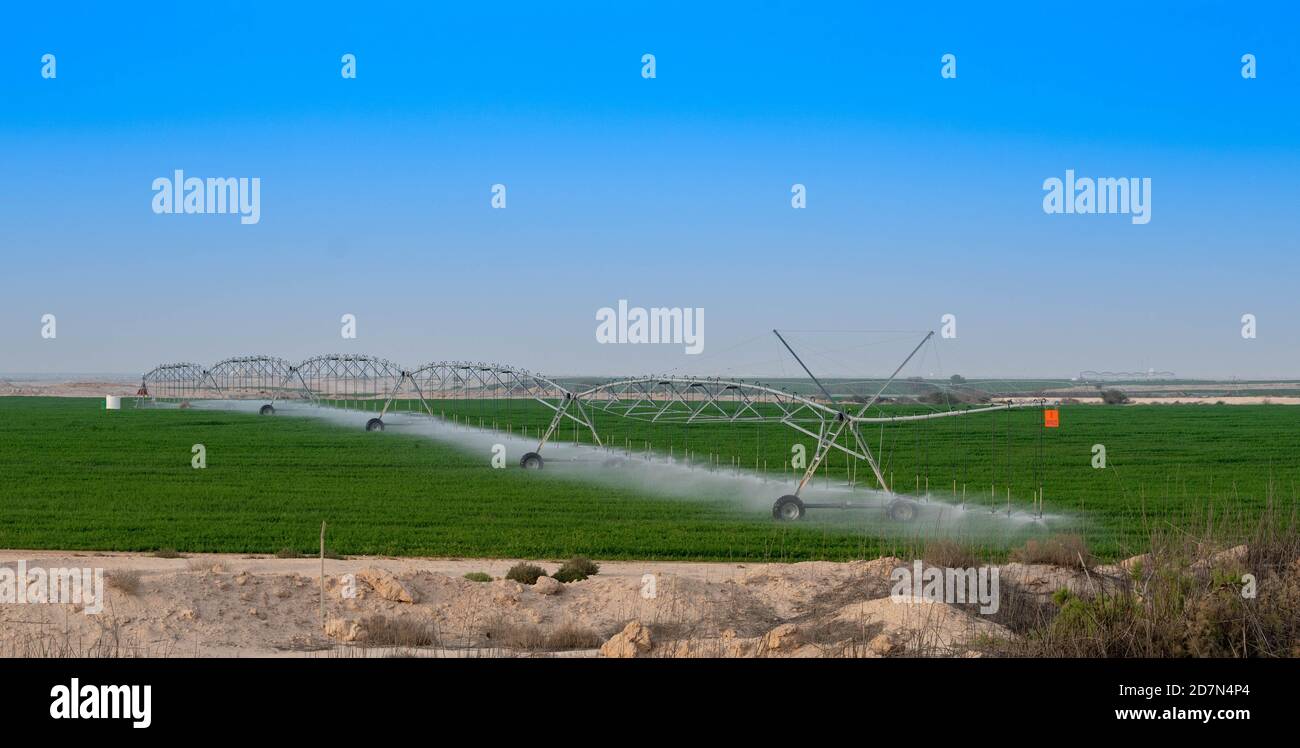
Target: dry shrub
x,y
167,553
534,638
126,581
949,554
399,631
572,636
1057,550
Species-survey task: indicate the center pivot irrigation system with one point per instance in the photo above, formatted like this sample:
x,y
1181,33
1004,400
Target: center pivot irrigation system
x,y
367,383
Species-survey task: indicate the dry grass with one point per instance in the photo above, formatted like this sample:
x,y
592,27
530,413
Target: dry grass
x,y
1187,601
48,643
167,553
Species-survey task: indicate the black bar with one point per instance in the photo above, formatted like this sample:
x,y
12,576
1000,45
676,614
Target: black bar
x,y
331,695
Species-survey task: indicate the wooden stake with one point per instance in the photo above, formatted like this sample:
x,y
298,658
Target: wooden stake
x,y
322,575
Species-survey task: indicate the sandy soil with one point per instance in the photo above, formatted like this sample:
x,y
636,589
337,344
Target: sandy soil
x,y
226,605
52,388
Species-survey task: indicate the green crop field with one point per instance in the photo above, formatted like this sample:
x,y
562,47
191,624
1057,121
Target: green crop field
x,y
74,476
1164,464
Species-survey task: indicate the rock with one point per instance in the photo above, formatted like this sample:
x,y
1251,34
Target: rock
x,y
241,578
187,615
1231,558
787,637
632,641
344,629
344,588
385,585
506,591
548,586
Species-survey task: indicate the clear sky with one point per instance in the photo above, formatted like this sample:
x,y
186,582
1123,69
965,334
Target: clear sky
x,y
924,194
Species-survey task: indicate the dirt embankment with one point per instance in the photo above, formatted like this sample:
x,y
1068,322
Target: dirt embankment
x,y
231,605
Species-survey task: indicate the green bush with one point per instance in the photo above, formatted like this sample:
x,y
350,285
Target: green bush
x,y
1114,397
479,576
525,573
577,569
566,575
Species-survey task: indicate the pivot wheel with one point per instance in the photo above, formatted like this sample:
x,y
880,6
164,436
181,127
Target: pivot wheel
x,y
267,410
374,424
902,510
531,461
788,508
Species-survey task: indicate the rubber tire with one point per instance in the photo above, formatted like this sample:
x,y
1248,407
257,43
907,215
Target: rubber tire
x,y
788,508
374,424
531,461
903,510
266,410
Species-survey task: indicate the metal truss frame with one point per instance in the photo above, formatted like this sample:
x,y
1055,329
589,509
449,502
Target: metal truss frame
x,y
469,380
679,399
176,381
340,377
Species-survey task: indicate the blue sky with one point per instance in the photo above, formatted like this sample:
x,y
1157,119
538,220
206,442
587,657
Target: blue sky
x,y
924,194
